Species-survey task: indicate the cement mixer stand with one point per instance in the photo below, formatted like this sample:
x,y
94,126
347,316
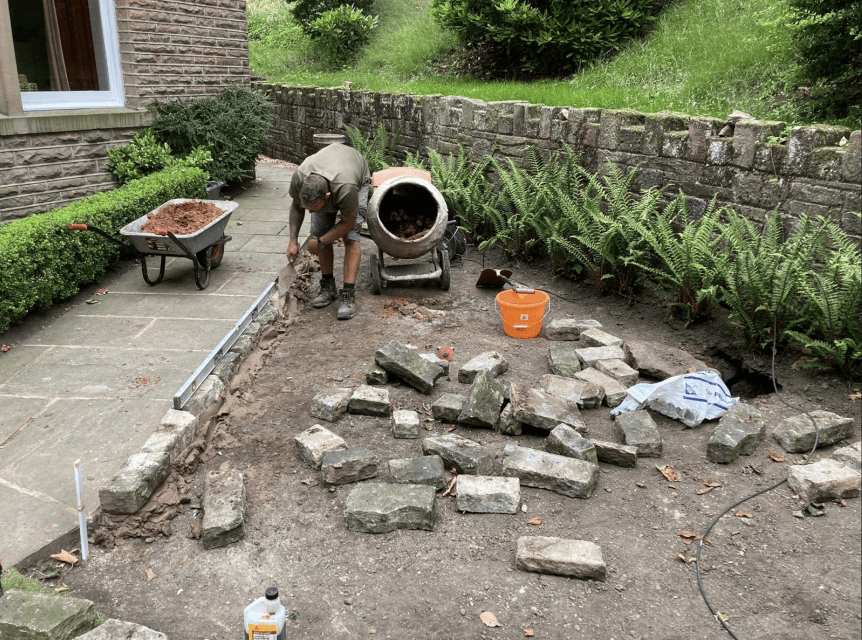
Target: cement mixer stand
x,y
438,269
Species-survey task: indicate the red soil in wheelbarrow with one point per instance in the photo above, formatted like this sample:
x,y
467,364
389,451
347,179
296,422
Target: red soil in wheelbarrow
x,y
183,218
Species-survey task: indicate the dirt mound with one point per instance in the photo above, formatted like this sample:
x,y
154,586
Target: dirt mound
x,y
183,218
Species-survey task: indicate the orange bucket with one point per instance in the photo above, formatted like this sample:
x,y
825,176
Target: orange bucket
x,y
522,313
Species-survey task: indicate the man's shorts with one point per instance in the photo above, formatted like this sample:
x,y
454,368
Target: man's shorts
x,y
322,222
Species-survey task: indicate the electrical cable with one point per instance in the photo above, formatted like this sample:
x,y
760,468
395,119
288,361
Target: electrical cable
x,y
703,537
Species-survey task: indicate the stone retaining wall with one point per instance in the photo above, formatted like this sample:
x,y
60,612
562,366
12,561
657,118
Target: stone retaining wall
x,y
818,171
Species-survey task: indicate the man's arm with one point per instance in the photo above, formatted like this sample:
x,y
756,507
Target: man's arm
x,y
296,217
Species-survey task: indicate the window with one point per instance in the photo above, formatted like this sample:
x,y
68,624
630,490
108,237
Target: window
x,y
66,53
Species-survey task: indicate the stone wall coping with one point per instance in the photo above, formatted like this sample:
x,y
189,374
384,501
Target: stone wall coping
x,y
60,120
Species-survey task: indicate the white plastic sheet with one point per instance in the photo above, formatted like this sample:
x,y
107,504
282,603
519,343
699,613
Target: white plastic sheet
x,y
690,398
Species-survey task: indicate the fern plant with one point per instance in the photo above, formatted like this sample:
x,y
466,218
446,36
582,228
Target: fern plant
x,y
465,188
377,151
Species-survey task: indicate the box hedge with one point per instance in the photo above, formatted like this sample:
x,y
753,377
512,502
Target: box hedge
x,y
42,261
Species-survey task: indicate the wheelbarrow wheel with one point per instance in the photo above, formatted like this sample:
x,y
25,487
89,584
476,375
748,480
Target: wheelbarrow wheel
x,y
376,283
215,257
446,276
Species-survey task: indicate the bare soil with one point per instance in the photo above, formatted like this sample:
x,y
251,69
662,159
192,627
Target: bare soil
x,y
773,574
182,218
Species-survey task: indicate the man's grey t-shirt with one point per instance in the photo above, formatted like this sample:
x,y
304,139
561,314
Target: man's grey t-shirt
x,y
344,168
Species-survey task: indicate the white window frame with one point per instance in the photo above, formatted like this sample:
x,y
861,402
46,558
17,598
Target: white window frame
x,y
113,97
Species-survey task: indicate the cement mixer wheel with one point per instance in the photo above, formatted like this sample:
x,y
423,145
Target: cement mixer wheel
x,y
376,282
445,277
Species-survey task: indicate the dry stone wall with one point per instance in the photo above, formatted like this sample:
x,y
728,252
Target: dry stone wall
x,y
818,171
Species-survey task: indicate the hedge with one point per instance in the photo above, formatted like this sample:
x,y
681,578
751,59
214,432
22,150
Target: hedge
x,y
42,261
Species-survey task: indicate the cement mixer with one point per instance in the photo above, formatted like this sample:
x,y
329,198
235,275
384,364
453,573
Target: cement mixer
x,y
407,218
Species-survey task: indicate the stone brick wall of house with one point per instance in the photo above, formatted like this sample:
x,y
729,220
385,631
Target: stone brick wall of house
x,y
814,173
175,49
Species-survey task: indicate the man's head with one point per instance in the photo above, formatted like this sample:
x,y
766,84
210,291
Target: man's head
x,y
313,193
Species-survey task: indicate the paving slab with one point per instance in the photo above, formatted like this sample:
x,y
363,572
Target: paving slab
x,y
267,244
29,522
255,227
17,412
18,360
579,559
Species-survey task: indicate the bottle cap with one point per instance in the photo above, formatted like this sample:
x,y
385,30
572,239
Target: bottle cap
x,y
271,593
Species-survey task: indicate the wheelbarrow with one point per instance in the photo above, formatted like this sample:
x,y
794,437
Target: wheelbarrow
x,y
406,196
205,247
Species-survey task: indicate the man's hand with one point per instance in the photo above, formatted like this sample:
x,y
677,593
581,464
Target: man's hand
x,y
292,250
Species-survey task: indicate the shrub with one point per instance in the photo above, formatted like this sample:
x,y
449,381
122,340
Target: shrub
x,y
546,37
43,261
307,11
232,126
342,32
144,155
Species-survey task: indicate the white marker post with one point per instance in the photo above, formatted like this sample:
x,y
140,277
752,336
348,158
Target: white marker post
x,y
82,515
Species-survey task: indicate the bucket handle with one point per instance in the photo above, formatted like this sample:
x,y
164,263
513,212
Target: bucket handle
x,y
525,326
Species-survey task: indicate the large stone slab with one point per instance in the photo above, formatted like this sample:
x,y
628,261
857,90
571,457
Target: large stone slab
x,y
465,455
224,509
568,476
405,424
344,466
332,405
637,429
490,361
425,470
563,360
579,559
590,355
433,358
565,441
621,455
584,394
312,443
850,456
447,407
175,432
618,370
544,411
376,375
36,616
487,494
598,338
381,508
824,480
401,360
482,406
206,395
507,424
134,482
114,629
615,393
660,361
367,400
568,328
738,433
796,433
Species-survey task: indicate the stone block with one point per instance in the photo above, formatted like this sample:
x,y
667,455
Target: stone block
x,y
243,345
563,329
739,431
226,367
224,509
565,441
850,456
488,494
135,481
620,455
637,429
598,338
367,400
615,393
376,375
206,395
175,433
580,559
447,407
567,476
462,454
618,370
544,411
405,424
584,394
114,629
824,480
590,355
796,433
508,425
331,405
490,361
267,315
381,508
312,443
660,361
344,466
563,359
434,359
399,359
36,616
482,406
425,470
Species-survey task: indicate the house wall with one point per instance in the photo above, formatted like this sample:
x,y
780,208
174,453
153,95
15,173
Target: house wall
x,y
813,173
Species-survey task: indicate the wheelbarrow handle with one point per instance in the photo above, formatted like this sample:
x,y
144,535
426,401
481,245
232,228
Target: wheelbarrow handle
x,y
107,236
78,227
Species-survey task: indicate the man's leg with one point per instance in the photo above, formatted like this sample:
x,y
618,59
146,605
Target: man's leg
x,y
352,259
328,292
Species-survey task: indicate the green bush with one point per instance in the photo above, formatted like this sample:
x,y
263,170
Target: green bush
x,y
232,126
305,12
145,155
342,32
42,261
547,37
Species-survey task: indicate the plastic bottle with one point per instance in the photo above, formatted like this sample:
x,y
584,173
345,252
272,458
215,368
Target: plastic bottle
x,y
264,618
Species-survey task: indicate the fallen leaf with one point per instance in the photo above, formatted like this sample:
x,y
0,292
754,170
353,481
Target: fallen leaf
x,y
534,521
101,292
642,485
700,492
843,503
742,514
671,486
150,574
528,633
688,534
61,589
450,429
854,396
489,619
714,485
775,457
5,348
65,556
669,473
680,556
708,541
754,468
734,533
372,631
309,482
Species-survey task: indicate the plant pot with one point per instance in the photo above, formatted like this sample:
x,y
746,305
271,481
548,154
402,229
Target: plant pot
x,y
214,189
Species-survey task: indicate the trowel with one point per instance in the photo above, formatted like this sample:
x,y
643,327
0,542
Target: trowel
x,y
497,278
286,278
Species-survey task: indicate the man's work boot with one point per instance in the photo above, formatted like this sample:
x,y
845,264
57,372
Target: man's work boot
x,y
326,295
347,308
